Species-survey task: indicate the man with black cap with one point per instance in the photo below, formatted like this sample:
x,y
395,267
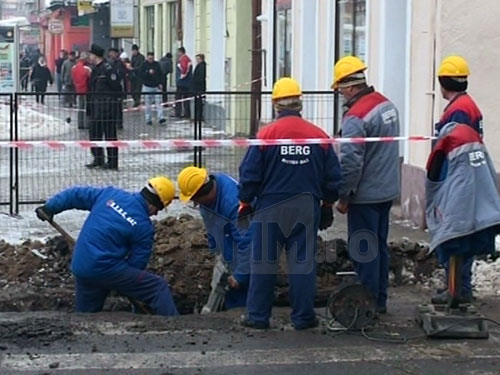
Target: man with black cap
x,y
115,243
103,83
135,78
462,109
120,71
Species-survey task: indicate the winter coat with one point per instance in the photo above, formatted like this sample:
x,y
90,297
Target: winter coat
x,y
290,170
184,72
166,65
151,74
463,110
200,78
117,233
220,222
59,63
40,76
103,83
370,171
66,76
462,199
136,63
81,77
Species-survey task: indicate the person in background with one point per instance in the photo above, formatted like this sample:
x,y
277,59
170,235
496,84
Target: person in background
x,y
152,77
105,90
24,70
184,75
63,55
119,69
199,84
81,77
123,54
135,75
115,243
166,64
67,80
40,77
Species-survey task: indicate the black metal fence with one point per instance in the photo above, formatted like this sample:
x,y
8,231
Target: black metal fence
x,y
31,175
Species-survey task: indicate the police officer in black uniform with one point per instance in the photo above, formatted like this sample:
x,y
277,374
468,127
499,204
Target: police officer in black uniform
x,y
104,83
119,69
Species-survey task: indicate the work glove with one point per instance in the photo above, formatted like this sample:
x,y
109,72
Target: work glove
x,y
245,212
44,214
326,219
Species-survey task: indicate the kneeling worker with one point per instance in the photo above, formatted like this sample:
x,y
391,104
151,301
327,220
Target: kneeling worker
x,y
217,196
115,243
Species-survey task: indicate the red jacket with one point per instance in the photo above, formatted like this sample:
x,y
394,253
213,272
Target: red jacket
x,y
81,77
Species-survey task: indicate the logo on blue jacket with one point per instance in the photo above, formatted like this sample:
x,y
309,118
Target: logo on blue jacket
x,y
120,211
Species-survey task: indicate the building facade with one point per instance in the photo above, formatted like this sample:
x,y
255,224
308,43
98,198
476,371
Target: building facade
x,y
403,43
63,28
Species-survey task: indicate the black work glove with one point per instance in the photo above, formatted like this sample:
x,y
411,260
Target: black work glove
x,y
326,219
44,214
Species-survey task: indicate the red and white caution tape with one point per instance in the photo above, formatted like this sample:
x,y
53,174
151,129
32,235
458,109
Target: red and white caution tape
x,y
208,143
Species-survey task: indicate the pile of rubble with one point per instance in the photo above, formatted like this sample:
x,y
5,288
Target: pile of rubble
x,y
36,276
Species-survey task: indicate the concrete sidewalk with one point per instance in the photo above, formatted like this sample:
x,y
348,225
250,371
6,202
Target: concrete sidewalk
x,y
57,343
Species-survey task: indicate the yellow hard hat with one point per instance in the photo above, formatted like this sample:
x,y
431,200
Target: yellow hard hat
x,y
346,67
190,180
454,66
286,88
164,188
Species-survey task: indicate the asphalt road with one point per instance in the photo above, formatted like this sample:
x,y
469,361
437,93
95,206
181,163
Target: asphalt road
x,y
58,343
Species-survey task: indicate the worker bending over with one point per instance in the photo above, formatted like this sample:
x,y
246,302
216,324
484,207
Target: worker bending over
x,y
115,243
370,175
453,78
294,188
217,197
463,206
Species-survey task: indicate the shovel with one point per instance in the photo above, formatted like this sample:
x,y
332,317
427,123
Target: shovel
x,y
138,306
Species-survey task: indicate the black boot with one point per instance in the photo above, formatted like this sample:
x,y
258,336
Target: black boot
x,y
95,164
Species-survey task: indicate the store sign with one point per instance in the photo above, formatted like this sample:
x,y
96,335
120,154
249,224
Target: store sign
x,y
7,60
55,26
122,18
85,7
30,36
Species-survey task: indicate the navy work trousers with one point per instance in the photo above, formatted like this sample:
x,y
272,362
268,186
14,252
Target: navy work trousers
x,y
281,223
132,282
368,228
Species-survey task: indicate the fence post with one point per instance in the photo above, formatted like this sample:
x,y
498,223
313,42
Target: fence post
x,y
198,117
15,186
11,156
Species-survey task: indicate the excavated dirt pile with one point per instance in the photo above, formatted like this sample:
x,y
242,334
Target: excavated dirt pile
x,y
35,276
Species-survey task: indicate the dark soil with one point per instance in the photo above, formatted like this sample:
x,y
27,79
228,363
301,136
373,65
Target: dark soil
x,y
181,256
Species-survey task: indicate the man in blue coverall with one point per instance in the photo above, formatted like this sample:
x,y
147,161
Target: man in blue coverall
x,y
115,243
217,195
453,79
370,175
294,188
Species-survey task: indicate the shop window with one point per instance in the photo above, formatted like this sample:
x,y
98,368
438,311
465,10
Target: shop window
x,y
150,28
172,35
283,35
351,34
78,21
